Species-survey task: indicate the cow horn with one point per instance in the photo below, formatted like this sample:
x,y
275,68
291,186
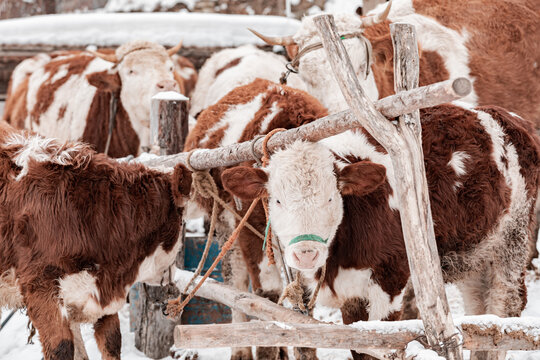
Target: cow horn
x,y
107,57
376,19
175,49
275,40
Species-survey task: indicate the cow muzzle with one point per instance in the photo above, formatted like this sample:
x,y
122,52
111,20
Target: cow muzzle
x,y
306,252
167,85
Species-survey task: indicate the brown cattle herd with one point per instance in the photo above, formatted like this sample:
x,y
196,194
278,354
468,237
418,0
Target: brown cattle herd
x,y
78,228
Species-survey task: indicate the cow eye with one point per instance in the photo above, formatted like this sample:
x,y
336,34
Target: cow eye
x,y
131,72
171,68
330,200
277,201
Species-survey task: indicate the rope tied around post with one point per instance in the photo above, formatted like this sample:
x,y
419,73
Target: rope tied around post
x,y
205,185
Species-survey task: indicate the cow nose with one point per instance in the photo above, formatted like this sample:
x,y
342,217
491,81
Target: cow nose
x,y
306,258
167,85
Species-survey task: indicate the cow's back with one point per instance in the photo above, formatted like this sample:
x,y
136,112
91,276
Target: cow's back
x,y
496,43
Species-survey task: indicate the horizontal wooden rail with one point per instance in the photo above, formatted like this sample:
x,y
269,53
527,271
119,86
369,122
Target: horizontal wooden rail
x,y
485,332
391,106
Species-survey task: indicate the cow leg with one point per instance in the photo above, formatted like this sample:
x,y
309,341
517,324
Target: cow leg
x,y
80,350
409,308
271,287
235,273
108,337
352,310
54,331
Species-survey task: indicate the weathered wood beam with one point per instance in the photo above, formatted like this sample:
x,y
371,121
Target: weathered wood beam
x,y
251,305
391,107
479,333
424,262
405,150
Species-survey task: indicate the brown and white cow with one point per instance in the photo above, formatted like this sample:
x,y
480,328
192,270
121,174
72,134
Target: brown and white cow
x,y
247,111
77,229
67,95
230,68
494,43
483,168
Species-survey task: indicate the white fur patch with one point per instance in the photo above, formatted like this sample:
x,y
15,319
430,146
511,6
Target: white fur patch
x,y
269,276
80,291
457,162
36,148
357,283
153,269
254,64
235,119
274,110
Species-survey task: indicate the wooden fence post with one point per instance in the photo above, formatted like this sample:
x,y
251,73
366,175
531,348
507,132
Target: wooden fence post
x,y
424,262
405,150
153,330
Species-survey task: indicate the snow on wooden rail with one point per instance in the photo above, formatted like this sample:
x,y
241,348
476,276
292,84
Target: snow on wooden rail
x,y
483,332
391,106
284,327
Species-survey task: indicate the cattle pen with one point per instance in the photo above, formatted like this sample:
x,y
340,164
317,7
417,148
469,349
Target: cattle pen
x,y
436,332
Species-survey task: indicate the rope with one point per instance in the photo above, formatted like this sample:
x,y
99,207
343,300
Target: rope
x,y
316,292
265,160
174,307
204,184
292,67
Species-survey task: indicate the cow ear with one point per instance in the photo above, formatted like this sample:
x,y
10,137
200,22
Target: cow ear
x,y
105,81
245,182
181,185
292,51
361,178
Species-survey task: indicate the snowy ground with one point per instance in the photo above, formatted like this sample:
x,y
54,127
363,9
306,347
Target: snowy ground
x,y
14,336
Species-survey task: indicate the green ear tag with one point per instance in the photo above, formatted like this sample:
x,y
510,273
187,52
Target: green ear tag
x,y
342,37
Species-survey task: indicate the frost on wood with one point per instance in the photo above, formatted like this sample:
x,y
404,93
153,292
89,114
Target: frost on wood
x,y
170,95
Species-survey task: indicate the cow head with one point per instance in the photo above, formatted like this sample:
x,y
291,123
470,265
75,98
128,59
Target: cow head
x,y
314,67
305,187
141,69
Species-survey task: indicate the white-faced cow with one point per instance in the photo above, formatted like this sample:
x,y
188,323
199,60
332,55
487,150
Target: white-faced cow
x,y
68,94
483,168
496,44
245,112
230,68
77,230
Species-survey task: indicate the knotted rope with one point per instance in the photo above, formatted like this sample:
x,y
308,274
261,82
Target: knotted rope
x,y
294,292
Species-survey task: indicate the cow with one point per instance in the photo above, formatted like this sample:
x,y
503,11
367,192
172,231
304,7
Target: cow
x,y
247,111
482,167
230,68
496,44
77,230
70,94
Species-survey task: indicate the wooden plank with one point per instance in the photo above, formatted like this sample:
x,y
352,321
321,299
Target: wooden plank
x,y
424,262
391,106
496,333
251,305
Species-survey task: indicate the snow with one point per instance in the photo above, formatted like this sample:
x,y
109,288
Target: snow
x,y
145,5
108,29
345,6
170,95
16,332
414,348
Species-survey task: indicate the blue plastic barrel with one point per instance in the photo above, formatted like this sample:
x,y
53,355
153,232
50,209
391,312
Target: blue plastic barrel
x,y
199,310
